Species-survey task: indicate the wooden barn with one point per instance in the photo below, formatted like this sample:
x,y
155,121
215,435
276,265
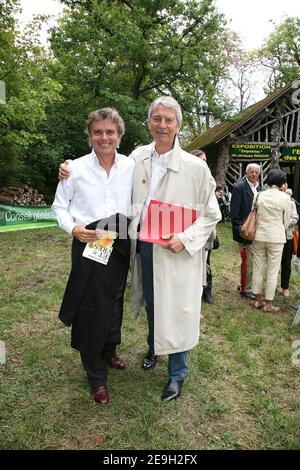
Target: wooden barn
x,y
267,133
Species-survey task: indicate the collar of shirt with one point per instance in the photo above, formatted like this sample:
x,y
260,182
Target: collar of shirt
x,y
253,186
97,164
162,159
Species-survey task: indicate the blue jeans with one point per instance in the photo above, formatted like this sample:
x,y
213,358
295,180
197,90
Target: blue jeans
x,y
177,364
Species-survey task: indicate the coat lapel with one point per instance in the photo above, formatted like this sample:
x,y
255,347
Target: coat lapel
x,y
174,162
146,159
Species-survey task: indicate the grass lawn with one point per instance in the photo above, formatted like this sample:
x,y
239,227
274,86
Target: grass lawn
x,y
242,391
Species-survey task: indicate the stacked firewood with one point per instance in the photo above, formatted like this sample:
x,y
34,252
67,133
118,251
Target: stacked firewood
x,y
22,195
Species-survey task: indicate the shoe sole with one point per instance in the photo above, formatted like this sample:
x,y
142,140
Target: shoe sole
x,y
170,399
149,367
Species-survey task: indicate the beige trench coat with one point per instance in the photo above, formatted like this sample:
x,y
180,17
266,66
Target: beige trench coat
x,y
177,277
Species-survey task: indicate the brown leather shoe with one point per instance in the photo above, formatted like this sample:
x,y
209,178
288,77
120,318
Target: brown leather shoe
x,y
116,362
100,395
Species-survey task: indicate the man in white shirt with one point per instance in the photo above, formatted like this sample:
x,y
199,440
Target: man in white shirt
x,y
99,187
240,206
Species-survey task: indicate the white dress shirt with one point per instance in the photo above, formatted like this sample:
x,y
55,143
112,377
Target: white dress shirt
x,y
159,165
253,186
91,194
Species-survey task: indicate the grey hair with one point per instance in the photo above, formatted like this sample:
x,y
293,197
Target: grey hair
x,y
102,114
198,152
168,102
252,164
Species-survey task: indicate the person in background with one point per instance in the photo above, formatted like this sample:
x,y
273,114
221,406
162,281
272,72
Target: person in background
x,y
240,206
287,252
98,188
224,203
273,219
199,153
207,294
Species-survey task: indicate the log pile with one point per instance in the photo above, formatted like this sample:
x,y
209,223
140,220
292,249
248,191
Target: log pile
x,y
22,195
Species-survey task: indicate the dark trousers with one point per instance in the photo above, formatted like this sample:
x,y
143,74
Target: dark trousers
x,y
177,362
146,253
94,363
208,288
286,264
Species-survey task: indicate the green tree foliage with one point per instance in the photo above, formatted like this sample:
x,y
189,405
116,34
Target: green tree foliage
x,y
104,53
28,91
280,54
63,127
125,53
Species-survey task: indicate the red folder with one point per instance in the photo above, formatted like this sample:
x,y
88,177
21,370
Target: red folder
x,y
163,219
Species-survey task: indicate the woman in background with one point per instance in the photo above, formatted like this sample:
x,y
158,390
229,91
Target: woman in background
x,y
273,219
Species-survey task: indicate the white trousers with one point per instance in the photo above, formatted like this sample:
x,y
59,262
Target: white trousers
x,y
266,255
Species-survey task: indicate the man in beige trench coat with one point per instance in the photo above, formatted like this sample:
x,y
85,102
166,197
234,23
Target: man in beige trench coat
x,y
168,278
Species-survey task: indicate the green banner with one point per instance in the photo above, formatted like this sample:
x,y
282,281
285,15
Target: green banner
x,y
250,151
291,154
21,217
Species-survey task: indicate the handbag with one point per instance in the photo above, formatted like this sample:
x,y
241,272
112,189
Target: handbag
x,y
295,241
248,226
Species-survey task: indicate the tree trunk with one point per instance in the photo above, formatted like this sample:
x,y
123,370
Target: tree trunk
x,y
222,163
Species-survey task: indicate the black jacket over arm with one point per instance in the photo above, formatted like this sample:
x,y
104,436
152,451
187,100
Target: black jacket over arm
x,y
240,207
93,289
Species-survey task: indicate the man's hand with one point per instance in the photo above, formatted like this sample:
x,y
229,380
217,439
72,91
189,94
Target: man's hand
x,y
63,171
174,244
84,235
